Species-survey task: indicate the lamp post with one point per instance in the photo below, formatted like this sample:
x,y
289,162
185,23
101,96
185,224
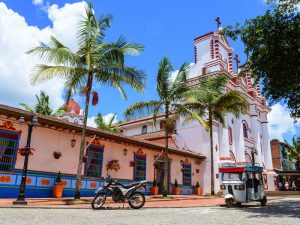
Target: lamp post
x,y
253,152
21,196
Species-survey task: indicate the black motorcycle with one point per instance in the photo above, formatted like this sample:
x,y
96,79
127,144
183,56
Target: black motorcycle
x,y
120,193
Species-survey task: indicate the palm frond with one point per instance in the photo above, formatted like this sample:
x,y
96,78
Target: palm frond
x,y
141,109
55,52
163,78
27,107
43,72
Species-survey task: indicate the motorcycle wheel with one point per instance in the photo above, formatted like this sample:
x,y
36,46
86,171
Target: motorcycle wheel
x,y
98,201
263,202
136,200
229,202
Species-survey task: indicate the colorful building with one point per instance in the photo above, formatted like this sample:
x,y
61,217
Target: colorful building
x,y
284,166
55,136
233,142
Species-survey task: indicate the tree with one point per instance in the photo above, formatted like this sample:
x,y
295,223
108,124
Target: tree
x,y
102,124
170,93
95,61
293,150
42,106
208,102
272,43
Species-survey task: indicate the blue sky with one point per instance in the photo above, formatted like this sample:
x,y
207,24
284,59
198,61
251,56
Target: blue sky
x,y
164,27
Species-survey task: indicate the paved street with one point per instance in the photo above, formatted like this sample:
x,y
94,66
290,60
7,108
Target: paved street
x,y
282,211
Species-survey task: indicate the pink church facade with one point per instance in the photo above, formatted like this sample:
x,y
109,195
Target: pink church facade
x,y
233,142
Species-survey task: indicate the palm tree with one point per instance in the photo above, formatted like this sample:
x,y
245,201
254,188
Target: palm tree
x,y
95,61
43,106
208,102
102,124
293,150
169,93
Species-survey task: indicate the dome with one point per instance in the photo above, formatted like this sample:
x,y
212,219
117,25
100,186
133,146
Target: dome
x,y
72,106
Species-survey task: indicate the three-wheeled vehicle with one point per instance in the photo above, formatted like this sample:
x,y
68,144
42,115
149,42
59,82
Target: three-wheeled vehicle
x,y
242,183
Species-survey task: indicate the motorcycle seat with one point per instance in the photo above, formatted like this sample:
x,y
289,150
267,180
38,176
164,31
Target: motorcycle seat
x,y
127,186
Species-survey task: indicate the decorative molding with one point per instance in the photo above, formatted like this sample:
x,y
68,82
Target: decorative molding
x,y
8,126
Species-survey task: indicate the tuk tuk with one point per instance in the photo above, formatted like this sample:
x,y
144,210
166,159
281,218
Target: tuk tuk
x,y
242,183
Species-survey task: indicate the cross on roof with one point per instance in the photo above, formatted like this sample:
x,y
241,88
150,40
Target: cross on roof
x,y
218,22
237,61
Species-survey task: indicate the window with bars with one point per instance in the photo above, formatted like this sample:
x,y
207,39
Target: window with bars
x,y
9,142
139,167
187,174
94,161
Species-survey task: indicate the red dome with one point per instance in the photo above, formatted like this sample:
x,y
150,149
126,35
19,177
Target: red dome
x,y
72,106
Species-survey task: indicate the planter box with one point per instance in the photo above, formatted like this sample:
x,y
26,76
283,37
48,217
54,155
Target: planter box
x,y
197,190
176,190
154,190
58,190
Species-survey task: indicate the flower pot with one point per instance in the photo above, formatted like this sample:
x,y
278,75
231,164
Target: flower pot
x,y
197,190
58,190
154,190
176,190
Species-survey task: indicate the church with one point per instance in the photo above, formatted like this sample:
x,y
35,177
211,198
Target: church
x,y
233,143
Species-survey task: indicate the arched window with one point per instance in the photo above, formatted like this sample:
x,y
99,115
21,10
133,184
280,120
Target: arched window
x,y
162,125
230,135
245,129
248,158
144,129
232,156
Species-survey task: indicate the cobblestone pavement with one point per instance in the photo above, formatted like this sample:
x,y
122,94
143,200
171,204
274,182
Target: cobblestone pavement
x,y
281,211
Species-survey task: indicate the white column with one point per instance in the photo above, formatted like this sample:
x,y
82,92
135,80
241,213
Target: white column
x,y
255,133
216,149
240,143
224,148
266,143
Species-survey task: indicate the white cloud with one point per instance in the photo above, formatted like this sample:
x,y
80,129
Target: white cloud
x,y
107,117
281,123
37,2
17,37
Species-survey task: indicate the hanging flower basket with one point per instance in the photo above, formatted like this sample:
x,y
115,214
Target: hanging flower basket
x,y
113,165
22,151
57,155
131,164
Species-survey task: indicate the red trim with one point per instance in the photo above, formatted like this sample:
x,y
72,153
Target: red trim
x,y
231,170
197,38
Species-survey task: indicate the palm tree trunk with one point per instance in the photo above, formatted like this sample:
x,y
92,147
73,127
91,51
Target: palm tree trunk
x,y
166,172
82,144
211,155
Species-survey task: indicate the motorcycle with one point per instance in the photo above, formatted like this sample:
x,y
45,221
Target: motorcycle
x,y
120,193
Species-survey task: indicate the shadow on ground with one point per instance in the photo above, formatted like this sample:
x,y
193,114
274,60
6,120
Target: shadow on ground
x,y
282,208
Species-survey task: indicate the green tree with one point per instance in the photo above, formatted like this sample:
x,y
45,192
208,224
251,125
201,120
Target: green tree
x,y
109,126
169,93
272,43
42,106
208,102
95,61
293,150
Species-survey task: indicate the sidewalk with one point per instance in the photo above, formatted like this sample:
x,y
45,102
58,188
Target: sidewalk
x,y
172,201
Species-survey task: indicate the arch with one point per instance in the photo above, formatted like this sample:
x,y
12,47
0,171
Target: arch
x,y
144,129
245,129
230,135
232,156
162,125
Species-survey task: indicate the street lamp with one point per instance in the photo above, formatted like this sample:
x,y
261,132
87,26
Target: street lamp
x,y
21,196
253,152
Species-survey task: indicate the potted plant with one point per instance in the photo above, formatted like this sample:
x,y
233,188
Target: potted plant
x,y
58,187
176,188
113,165
197,189
56,154
154,188
22,151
